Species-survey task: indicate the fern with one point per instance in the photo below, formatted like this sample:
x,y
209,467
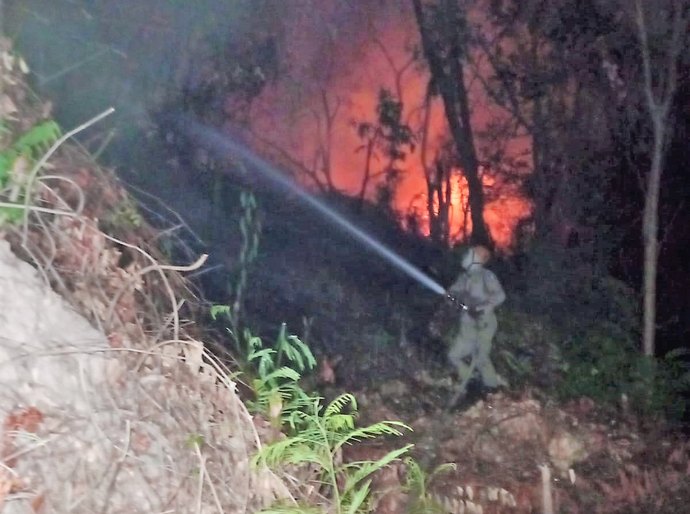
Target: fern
x,y
219,310
38,139
321,435
417,486
250,229
273,372
28,148
31,145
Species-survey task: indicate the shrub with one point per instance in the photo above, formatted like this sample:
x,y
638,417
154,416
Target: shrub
x,y
606,369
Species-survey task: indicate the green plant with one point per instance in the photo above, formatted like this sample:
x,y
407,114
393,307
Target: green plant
x,y
277,372
605,369
31,145
524,344
16,160
319,437
417,482
125,215
273,373
250,229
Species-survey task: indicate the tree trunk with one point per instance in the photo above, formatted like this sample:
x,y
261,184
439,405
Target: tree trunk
x,y
659,101
444,54
650,229
367,171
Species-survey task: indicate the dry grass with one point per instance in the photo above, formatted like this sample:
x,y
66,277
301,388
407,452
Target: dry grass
x,y
137,415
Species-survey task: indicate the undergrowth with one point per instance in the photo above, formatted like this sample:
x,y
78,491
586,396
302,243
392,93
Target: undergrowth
x,y
16,162
572,330
320,434
609,370
274,373
314,434
417,484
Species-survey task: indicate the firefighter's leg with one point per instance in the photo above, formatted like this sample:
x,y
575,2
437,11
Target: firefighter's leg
x,y
486,329
464,345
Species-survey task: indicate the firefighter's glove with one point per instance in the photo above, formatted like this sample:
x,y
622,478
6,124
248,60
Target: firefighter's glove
x,y
475,312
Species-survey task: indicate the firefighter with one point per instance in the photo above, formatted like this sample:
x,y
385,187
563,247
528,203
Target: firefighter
x,y
479,292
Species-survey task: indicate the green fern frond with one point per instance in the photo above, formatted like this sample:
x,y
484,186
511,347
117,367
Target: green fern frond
x,y
38,139
31,145
293,450
359,498
263,360
281,373
304,349
339,422
297,417
373,431
443,468
363,469
298,353
218,310
417,482
294,350
253,342
261,354
338,404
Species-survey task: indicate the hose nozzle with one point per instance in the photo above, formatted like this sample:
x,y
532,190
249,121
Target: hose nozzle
x,y
456,302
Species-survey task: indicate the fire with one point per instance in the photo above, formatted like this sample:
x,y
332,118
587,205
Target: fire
x,y
312,128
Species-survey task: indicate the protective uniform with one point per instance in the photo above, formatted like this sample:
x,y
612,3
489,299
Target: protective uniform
x,y
478,289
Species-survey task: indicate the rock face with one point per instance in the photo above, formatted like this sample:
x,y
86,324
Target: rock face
x,y
50,356
88,428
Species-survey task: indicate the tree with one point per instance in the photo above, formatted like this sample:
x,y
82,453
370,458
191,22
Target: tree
x,y
539,62
444,35
569,74
389,137
661,40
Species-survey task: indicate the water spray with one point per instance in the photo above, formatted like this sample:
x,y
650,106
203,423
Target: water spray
x,y
223,145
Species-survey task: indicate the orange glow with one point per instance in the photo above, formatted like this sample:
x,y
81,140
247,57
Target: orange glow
x,y
295,121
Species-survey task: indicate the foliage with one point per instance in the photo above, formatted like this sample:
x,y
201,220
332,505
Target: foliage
x,y
526,343
273,373
608,369
568,328
125,215
318,441
16,160
250,228
277,373
393,139
417,486
31,145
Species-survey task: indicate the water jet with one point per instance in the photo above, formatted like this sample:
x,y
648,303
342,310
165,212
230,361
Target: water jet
x,y
225,146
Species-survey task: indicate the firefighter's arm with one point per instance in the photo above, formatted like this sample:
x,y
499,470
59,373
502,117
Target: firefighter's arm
x,y
495,293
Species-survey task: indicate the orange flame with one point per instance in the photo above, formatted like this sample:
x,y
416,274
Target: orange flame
x,y
314,125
